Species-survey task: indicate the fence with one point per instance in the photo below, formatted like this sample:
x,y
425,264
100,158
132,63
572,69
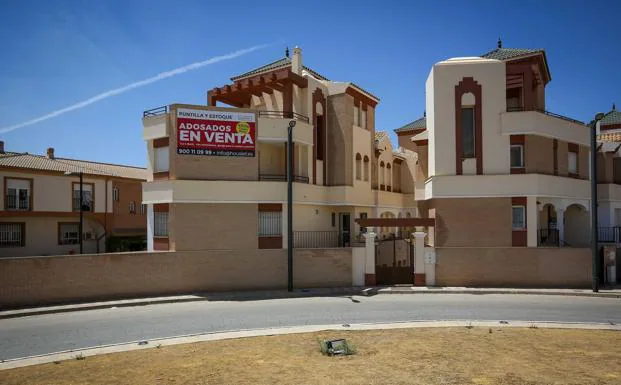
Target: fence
x,y
548,237
282,178
316,239
284,115
608,234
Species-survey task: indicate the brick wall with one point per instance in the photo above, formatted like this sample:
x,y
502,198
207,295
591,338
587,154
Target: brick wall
x,y
513,267
47,280
205,226
472,222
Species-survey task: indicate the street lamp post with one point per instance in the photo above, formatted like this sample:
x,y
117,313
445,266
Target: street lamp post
x,y
290,205
594,236
81,175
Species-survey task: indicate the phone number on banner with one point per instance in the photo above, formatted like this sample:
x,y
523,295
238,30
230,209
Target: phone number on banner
x,y
195,151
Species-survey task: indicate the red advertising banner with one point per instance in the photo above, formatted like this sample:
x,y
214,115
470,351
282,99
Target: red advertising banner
x,y
216,133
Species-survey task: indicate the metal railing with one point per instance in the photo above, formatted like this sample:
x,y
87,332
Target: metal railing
x,y
608,234
316,239
284,115
13,202
87,204
282,178
552,114
548,237
155,111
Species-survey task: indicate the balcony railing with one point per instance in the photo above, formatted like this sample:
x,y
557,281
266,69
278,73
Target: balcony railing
x,y
87,205
548,237
316,239
552,114
284,115
155,111
609,234
13,202
282,178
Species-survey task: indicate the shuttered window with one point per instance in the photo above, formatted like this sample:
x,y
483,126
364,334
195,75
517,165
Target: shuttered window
x,y
270,224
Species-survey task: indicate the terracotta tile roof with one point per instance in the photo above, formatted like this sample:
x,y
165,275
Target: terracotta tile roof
x,y
284,63
43,163
415,125
280,63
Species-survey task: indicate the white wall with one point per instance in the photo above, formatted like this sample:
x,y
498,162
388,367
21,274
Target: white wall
x,y
440,99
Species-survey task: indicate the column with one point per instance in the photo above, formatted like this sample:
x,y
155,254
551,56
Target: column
x,y
150,227
560,223
419,258
532,221
369,266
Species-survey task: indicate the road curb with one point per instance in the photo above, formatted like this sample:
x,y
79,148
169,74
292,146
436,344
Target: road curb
x,y
266,295
246,333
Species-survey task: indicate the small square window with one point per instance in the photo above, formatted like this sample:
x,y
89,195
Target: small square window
x,y
517,156
518,217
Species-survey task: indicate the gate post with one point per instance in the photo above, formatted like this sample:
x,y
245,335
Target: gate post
x,y
369,266
419,258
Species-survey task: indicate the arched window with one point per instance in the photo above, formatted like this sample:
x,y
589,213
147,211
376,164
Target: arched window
x,y
382,172
358,167
388,177
366,168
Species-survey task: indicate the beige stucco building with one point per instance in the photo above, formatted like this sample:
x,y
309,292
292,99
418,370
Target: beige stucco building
x,y
40,204
343,168
499,174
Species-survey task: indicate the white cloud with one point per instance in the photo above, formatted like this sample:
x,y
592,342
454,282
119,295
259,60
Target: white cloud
x,y
129,87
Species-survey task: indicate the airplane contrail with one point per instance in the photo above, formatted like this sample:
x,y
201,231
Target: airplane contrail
x,y
141,83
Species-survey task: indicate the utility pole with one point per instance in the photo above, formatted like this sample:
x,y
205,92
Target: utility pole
x,y
290,206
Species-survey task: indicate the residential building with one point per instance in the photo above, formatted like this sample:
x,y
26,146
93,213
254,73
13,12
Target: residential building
x,y
41,204
343,167
498,170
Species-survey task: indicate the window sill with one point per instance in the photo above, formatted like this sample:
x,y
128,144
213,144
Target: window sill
x,y
518,170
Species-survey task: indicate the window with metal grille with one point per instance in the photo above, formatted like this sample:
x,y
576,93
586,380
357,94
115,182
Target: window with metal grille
x,y
18,194
270,224
12,234
160,224
69,233
115,194
132,207
88,203
143,208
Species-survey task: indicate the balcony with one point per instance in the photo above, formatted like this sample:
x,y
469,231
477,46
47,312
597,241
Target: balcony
x,y
155,123
273,127
516,121
15,203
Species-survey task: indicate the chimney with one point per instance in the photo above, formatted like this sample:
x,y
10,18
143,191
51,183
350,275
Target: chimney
x,y
50,152
1,146
296,61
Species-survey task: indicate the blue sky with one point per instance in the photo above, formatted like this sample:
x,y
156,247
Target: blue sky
x,y
57,53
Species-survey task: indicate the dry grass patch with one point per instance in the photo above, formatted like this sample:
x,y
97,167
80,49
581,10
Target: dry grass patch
x,y
457,356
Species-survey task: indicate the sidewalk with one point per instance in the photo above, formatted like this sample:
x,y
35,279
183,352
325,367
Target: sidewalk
x,y
281,294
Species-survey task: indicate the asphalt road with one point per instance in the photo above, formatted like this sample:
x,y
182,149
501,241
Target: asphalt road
x,y
34,335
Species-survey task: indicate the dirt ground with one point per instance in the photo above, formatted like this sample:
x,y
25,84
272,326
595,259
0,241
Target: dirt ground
x,y
504,356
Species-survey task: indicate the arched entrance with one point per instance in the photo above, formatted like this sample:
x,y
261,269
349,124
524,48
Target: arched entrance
x,y
577,226
548,232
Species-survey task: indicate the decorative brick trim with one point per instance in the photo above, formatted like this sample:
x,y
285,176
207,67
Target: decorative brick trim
x,y
469,85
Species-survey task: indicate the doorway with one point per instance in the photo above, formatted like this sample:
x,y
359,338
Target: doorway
x,y
345,229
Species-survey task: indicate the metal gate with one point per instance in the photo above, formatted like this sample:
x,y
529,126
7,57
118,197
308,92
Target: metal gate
x,y
394,261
